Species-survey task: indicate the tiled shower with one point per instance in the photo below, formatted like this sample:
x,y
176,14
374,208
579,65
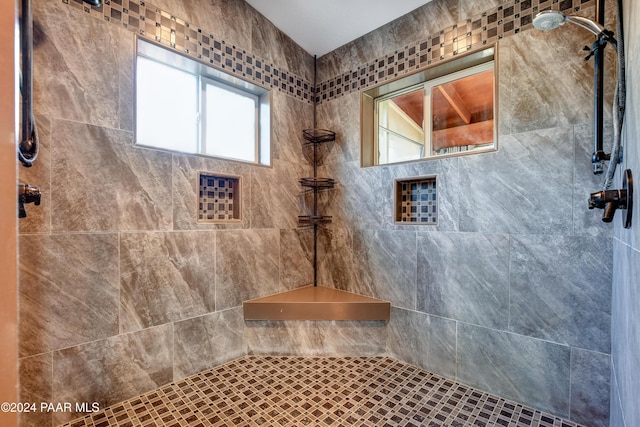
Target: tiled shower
x,y
123,290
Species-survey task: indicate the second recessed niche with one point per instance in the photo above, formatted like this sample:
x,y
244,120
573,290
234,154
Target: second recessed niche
x,y
416,201
219,198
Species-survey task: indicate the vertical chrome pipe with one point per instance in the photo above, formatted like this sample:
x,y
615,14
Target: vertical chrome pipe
x,y
28,145
598,106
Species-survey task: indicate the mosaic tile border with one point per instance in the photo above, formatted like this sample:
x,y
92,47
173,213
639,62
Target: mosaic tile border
x,y
473,34
152,23
287,391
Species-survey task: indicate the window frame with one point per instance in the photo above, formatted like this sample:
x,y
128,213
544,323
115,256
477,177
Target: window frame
x,y
207,75
456,68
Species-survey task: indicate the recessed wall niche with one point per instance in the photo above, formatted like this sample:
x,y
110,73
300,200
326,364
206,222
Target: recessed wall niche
x,y
416,201
219,198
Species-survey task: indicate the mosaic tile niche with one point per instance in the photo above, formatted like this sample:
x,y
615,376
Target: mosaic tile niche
x,y
416,201
219,198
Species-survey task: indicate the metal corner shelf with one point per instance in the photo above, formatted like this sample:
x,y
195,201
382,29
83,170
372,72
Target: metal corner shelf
x,y
318,183
318,136
314,219
315,302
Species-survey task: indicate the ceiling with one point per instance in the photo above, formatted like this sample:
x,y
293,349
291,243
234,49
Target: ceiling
x,y
322,26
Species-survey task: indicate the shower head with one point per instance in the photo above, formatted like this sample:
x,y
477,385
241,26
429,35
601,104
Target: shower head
x,y
552,19
94,3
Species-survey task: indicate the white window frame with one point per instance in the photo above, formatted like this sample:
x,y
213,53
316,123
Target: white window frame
x,y
209,76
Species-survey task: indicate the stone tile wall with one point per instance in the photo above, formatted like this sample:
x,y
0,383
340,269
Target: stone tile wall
x,y
121,289
117,275
625,328
511,290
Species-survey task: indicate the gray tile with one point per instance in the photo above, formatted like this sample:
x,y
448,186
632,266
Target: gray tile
x,y
69,72
290,117
285,338
336,265
625,329
526,187
386,266
207,341
247,266
112,370
354,338
165,277
560,289
296,258
423,340
516,367
68,290
343,118
356,201
277,198
108,184
465,276
590,387
544,102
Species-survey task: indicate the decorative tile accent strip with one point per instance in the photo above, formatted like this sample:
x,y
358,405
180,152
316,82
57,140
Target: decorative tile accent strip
x,y
219,198
473,34
416,201
314,391
160,26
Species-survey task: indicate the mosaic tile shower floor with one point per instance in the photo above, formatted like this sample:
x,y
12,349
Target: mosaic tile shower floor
x,y
318,392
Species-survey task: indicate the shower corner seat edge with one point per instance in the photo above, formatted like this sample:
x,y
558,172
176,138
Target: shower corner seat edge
x,y
316,303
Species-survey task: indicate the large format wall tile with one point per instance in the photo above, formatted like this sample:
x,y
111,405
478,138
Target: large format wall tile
x,y
277,198
165,277
356,201
590,374
560,289
112,370
386,265
341,116
538,101
68,290
207,341
526,187
625,329
296,258
424,340
465,276
293,337
291,117
108,183
336,265
316,338
247,266
77,65
36,386
516,367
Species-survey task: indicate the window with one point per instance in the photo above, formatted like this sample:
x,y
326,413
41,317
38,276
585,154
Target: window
x,y
185,106
445,110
